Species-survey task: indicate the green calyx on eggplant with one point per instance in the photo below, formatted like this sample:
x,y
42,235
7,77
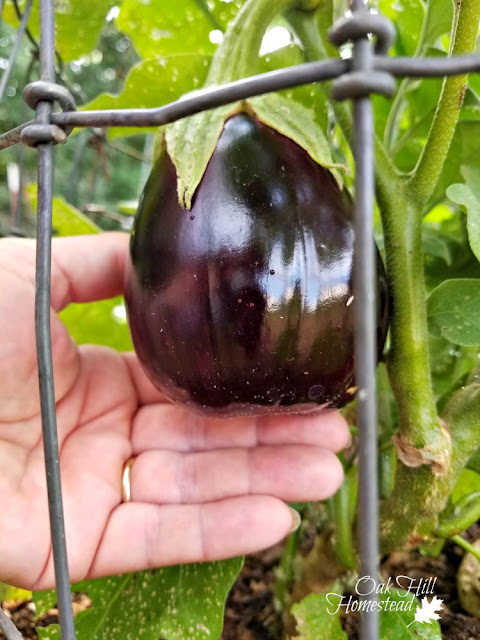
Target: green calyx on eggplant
x,y
243,303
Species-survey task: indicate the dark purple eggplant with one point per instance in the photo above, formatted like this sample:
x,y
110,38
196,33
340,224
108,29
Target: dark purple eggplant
x,y
243,304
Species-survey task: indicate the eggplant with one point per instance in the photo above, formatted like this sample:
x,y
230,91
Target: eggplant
x,y
243,304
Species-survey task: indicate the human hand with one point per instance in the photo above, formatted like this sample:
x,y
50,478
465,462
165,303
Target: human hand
x,y
202,489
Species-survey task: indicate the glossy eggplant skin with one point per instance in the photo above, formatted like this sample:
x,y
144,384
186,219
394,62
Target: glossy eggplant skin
x,y
244,304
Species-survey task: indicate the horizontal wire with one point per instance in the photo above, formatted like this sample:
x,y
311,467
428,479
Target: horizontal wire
x,y
427,67
285,78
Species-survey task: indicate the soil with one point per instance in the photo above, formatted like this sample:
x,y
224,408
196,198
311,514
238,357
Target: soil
x,y
250,613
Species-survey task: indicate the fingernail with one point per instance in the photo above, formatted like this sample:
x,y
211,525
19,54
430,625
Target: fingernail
x,y
296,520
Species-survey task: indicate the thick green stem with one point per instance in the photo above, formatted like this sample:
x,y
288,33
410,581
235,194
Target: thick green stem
x,y
408,365
410,515
421,438
427,172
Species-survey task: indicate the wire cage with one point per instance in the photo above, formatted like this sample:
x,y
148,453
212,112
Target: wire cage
x,y
368,70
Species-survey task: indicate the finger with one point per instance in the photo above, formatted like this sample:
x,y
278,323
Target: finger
x,y
170,426
143,536
87,268
295,473
147,393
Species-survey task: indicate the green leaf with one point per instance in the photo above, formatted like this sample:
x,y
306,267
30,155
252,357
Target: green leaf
x,y
7,592
398,615
191,143
77,24
162,27
435,244
471,177
468,482
407,16
453,311
463,195
67,220
127,207
439,20
153,83
182,602
449,364
463,153
103,322
314,620
310,95
474,462
317,617
298,123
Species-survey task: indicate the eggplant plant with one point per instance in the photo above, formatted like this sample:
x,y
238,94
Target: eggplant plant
x,y
245,225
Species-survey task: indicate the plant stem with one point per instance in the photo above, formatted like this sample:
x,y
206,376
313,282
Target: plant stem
x,y
237,56
409,369
343,526
410,515
466,545
429,167
421,439
285,572
460,522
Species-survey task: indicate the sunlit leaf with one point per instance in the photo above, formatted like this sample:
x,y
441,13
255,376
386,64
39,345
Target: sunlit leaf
x,y
407,16
66,219
468,482
77,24
463,195
463,152
153,83
165,27
453,311
310,96
439,20
7,592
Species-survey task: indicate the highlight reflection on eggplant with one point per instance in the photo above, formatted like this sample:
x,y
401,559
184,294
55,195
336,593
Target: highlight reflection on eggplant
x,y
243,305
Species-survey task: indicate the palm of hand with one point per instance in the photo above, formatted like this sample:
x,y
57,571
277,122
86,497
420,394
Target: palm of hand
x,y
201,489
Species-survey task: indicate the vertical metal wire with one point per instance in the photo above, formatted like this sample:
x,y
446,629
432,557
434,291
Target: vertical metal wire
x,y
42,326
7,627
365,344
15,48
